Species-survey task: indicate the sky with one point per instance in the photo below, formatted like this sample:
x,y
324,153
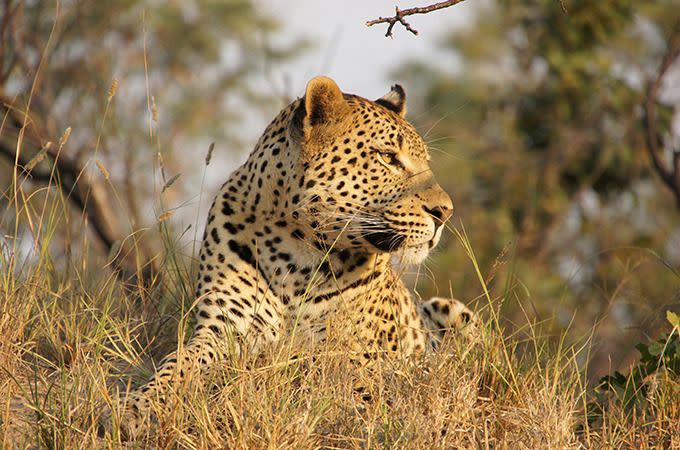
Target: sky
x,y
360,58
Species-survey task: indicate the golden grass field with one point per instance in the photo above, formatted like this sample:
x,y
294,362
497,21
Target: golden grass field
x,y
74,337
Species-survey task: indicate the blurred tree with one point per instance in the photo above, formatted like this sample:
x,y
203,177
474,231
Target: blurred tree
x,y
548,162
138,83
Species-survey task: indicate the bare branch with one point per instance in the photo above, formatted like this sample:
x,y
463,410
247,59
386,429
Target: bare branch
x,y
401,13
83,192
669,175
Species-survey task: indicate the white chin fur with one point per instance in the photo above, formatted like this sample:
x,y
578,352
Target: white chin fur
x,y
412,255
418,253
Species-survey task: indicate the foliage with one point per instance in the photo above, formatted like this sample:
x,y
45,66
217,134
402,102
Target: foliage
x,y
659,358
647,396
138,84
541,131
193,59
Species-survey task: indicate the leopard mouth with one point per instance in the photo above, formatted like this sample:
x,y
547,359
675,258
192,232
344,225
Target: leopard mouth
x,y
386,240
389,240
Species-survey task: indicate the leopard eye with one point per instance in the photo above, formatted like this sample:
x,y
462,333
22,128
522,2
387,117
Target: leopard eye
x,y
389,159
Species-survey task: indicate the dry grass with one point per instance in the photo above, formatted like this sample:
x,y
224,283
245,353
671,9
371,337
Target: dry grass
x,y
73,338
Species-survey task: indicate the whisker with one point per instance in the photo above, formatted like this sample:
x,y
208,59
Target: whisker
x,y
436,122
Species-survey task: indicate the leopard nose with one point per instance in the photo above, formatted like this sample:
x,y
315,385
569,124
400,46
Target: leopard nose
x,y
441,213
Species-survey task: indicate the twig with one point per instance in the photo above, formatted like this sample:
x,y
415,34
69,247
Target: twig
x,y
564,7
669,175
401,13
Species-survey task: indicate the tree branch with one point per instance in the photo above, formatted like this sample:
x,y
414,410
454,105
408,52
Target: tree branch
x,y
84,193
669,175
401,13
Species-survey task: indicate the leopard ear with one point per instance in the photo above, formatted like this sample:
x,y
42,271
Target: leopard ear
x,y
321,114
324,102
395,100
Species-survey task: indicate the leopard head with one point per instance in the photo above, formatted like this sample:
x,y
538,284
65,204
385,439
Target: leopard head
x,y
367,182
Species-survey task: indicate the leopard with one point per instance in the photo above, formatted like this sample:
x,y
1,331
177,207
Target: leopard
x,y
337,193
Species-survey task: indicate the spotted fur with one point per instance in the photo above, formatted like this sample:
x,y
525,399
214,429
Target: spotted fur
x,y
335,189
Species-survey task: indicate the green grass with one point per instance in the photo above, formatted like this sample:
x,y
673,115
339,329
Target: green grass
x,y
74,337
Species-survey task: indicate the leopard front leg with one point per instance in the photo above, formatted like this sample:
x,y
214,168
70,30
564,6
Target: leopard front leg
x,y
142,407
231,320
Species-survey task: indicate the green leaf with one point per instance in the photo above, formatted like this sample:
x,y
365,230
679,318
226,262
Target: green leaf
x,y
655,349
644,351
673,319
